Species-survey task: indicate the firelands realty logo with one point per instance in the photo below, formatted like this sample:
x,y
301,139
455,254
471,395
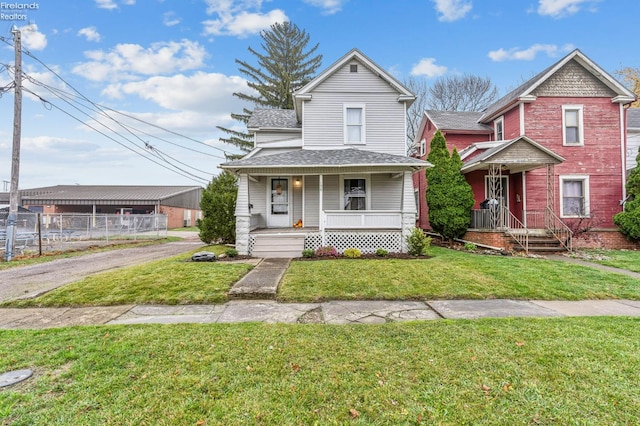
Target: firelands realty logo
x,y
16,11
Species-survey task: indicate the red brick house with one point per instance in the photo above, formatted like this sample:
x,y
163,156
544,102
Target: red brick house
x,y
550,155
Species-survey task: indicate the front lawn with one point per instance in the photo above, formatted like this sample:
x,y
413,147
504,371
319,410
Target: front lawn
x,y
451,274
175,280
625,259
499,371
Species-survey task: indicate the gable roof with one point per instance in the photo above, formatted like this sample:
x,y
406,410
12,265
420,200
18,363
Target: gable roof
x,y
304,92
274,119
525,90
497,154
458,120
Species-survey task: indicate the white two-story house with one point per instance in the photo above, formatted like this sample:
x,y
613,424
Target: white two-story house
x,y
331,172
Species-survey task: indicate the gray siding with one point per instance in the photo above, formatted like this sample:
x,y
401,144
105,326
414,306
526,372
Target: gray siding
x,y
257,196
261,137
386,193
311,202
296,208
384,120
573,80
331,192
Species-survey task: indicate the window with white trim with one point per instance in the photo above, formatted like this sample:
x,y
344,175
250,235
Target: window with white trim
x,y
572,125
498,129
355,194
574,196
354,124
423,147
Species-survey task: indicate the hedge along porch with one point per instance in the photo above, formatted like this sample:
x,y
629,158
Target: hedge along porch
x,y
311,198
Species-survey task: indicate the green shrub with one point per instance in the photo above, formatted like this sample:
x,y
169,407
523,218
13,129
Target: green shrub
x,y
352,253
231,252
382,252
418,242
470,247
327,251
218,207
629,220
308,253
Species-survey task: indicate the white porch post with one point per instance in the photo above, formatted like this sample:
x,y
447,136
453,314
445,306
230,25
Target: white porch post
x,y
409,209
243,216
323,219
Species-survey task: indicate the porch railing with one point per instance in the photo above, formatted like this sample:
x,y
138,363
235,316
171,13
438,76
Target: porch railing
x,y
361,219
516,229
558,228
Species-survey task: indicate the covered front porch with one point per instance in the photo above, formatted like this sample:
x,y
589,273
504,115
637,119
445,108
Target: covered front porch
x,y
498,173
341,198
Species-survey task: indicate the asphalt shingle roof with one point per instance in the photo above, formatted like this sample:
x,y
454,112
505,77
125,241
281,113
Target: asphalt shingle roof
x,y
322,158
457,120
273,119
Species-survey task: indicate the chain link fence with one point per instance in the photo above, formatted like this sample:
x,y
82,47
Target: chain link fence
x,y
64,231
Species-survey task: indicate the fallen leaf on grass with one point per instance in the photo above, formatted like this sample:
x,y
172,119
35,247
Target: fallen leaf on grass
x,y
485,389
353,413
507,387
520,344
200,422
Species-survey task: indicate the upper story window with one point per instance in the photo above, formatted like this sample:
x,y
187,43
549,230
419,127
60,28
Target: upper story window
x,y
353,68
354,124
498,129
423,147
572,125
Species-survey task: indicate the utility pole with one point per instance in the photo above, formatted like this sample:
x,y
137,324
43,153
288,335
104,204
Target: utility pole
x,y
15,157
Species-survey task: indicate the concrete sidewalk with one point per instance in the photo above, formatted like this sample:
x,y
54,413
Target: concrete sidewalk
x,y
333,312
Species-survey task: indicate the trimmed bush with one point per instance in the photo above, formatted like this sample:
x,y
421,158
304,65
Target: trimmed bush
x,y
327,251
352,253
231,252
382,252
470,247
418,242
308,253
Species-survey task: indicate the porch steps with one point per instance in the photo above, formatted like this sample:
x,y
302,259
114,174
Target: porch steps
x,y
285,245
542,244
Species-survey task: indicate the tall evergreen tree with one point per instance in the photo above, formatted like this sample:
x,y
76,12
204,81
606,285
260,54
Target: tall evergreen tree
x,y
286,65
449,196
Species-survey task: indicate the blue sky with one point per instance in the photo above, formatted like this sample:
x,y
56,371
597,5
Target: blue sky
x,y
170,65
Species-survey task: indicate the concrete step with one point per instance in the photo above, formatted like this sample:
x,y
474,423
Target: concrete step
x,y
278,245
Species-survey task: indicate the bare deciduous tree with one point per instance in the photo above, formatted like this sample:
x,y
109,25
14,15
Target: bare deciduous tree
x,y
416,110
462,93
631,77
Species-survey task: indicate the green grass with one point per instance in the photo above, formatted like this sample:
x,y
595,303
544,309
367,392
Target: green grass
x,y
500,371
625,259
32,257
451,274
171,281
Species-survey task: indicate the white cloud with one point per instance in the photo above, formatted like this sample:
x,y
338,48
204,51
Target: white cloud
x,y
169,19
126,60
33,39
427,67
329,6
106,4
452,10
529,54
203,92
239,18
111,4
90,33
561,8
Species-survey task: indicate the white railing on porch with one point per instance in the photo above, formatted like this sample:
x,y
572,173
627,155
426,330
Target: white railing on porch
x,y
361,219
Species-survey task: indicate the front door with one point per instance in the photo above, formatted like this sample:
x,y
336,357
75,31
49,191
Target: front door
x,y
279,200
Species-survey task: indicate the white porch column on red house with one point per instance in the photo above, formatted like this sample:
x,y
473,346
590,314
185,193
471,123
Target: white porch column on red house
x,y
243,215
409,209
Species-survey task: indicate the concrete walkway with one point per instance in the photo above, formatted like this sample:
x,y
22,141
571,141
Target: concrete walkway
x,y
253,300
333,312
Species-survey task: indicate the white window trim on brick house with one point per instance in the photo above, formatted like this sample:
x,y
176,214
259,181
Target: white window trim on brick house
x,y
580,110
585,195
